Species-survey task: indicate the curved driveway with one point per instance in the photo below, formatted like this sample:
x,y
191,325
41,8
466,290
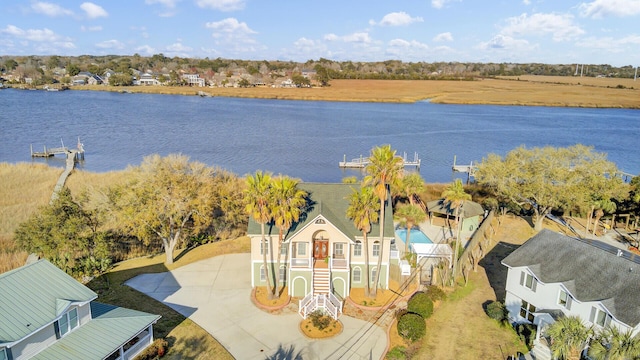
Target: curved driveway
x,y
215,293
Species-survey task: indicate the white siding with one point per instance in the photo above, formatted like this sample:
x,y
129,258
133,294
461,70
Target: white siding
x,y
34,343
546,297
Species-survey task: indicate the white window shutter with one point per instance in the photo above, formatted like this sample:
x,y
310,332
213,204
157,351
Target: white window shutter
x,y
522,278
607,320
535,285
569,300
592,317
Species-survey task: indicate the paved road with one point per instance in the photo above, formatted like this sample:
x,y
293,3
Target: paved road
x,y
215,293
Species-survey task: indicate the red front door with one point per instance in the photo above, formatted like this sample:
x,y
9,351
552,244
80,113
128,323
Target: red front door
x,y
320,249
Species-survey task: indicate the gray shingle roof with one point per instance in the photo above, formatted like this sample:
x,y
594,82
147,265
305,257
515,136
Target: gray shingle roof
x,y
330,201
110,328
586,270
469,208
33,296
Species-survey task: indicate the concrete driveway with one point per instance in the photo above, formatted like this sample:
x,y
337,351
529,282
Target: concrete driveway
x,y
215,293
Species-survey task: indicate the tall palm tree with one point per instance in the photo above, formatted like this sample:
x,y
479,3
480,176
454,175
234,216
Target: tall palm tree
x,y
286,207
408,216
612,344
363,210
257,197
454,195
569,336
385,169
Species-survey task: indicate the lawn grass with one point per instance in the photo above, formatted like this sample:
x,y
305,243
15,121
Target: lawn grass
x,y
523,90
187,339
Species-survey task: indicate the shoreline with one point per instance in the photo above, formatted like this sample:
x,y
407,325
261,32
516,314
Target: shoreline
x,y
558,91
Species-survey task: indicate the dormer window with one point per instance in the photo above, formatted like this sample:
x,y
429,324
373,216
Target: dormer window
x,y
320,221
67,322
565,300
527,280
600,317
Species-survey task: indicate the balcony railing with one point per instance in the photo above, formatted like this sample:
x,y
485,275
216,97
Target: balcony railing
x,y
339,263
301,262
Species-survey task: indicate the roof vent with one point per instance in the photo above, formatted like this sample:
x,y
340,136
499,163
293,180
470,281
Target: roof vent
x,y
619,253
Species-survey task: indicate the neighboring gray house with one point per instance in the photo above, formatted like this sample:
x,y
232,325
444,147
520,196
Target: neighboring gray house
x,y
45,314
553,275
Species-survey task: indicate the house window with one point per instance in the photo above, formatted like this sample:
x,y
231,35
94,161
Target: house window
x,y
264,247
599,317
527,310
527,280
3,354
565,300
283,273
376,248
283,249
357,274
338,249
357,248
302,249
263,274
68,322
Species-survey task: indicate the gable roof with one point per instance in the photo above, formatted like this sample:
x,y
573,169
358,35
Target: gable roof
x,y
110,328
589,272
469,208
329,200
35,295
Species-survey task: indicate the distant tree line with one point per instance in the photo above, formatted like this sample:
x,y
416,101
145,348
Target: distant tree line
x,y
44,68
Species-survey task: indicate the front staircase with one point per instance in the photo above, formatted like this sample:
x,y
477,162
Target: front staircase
x,y
321,281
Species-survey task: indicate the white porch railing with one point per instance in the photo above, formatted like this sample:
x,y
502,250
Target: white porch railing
x,y
327,302
301,262
139,346
394,254
339,264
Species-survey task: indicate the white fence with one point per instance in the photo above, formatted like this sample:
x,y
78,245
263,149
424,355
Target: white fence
x,y
327,302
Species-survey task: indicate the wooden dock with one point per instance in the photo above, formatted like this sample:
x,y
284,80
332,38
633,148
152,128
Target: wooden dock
x,y
470,169
362,162
78,154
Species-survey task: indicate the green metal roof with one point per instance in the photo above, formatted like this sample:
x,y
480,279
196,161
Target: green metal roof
x,y
110,328
331,202
35,295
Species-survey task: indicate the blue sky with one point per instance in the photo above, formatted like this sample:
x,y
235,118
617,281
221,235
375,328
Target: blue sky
x,y
523,31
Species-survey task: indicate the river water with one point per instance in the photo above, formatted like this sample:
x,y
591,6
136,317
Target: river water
x,y
304,139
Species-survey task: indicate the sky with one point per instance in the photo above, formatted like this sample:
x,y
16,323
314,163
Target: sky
x,y
513,31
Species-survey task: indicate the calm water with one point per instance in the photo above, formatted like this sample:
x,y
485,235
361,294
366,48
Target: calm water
x,y
299,138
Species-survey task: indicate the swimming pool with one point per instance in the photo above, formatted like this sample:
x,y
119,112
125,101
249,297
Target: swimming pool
x,y
417,236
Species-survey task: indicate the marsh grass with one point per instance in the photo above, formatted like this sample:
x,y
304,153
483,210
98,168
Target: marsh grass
x,y
523,90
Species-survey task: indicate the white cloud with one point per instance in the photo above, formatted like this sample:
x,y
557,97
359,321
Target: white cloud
x,y
560,26
166,3
44,35
358,37
230,29
178,47
308,46
146,49
609,44
110,44
50,9
222,5
93,11
526,2
439,4
91,28
503,42
408,44
397,19
446,36
602,8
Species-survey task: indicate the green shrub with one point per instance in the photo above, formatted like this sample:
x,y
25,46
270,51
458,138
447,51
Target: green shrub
x,y
436,293
320,320
527,333
412,326
421,304
397,353
497,311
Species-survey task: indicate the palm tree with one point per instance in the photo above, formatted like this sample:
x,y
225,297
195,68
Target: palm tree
x,y
257,197
612,344
407,216
569,336
602,206
385,169
410,185
363,210
286,207
455,197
